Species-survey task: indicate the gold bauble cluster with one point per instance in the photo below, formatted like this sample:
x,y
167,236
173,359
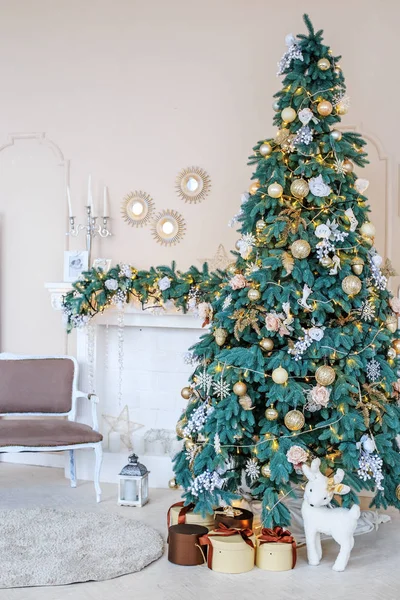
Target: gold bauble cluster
x,y
271,414
351,285
267,344
220,336
325,375
294,420
300,249
260,224
240,388
324,108
189,444
396,346
299,188
280,375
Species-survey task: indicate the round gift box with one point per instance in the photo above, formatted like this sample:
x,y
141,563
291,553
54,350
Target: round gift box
x,y
274,556
191,518
242,521
231,554
184,547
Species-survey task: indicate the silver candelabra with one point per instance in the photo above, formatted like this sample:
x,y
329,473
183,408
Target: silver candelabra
x,y
91,228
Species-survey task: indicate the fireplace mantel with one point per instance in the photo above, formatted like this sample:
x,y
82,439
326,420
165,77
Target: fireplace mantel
x,y
155,340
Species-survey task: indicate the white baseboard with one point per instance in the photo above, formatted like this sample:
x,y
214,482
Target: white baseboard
x,y
40,459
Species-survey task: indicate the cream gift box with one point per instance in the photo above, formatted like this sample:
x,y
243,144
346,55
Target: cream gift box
x,y
179,514
230,550
276,550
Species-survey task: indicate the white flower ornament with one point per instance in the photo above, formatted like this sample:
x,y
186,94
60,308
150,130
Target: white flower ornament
x,y
318,187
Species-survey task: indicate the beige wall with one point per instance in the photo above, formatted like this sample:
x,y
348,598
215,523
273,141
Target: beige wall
x,y
133,91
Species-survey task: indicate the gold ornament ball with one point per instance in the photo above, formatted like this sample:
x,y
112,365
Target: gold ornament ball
x,y
299,188
287,144
179,427
323,64
266,470
275,106
391,353
275,190
324,108
267,344
294,420
326,261
271,414
341,109
186,393
231,268
189,444
368,229
325,375
396,346
220,336
260,224
265,149
280,375
288,114
391,323
253,294
351,285
245,402
172,484
336,135
398,492
348,166
357,265
337,70
300,249
240,388
254,187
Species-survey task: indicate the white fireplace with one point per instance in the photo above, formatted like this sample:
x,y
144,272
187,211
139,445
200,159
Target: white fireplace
x,y
154,371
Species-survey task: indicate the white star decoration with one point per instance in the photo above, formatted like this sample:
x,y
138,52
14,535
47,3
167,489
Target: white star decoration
x,y
219,261
123,426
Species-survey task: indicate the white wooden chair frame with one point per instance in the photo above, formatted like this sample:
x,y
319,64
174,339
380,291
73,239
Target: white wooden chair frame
x,y
97,446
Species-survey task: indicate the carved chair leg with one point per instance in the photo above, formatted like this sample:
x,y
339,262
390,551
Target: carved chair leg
x,y
72,468
99,459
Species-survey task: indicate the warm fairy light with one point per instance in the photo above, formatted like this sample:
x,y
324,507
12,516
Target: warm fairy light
x,y
275,445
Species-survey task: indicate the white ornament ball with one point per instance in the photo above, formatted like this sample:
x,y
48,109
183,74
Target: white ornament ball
x,y
336,135
280,375
368,229
275,190
288,114
265,149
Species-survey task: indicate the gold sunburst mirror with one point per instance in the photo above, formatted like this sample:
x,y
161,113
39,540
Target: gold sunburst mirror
x,y
168,227
193,184
137,208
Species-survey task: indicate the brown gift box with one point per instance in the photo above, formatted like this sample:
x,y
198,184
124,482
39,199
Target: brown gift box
x,y
236,518
184,548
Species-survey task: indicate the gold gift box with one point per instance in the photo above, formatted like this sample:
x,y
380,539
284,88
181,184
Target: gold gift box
x,y
274,556
231,554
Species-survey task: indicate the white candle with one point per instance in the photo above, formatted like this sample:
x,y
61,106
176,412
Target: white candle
x,y
69,202
90,196
114,441
130,491
105,204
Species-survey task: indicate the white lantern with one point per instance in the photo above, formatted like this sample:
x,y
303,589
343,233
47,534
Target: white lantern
x,y
133,483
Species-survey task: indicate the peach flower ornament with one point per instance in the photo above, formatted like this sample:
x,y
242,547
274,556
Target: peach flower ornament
x,y
238,282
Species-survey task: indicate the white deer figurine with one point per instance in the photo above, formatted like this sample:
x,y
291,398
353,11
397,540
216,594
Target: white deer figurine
x,y
318,518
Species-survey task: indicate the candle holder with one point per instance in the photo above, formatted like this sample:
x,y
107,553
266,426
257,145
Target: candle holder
x,y
92,229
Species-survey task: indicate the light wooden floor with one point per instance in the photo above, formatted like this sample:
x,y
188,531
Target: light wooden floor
x,y
373,572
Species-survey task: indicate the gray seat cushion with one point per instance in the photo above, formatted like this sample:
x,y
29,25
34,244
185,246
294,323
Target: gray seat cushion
x,y
45,432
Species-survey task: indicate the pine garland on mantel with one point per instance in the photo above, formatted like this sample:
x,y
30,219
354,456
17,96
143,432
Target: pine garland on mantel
x,y
97,290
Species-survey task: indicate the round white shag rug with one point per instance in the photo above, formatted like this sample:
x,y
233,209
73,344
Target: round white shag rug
x,y
45,546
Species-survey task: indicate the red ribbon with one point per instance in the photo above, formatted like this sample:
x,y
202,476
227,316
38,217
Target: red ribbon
x,y
279,535
224,531
182,513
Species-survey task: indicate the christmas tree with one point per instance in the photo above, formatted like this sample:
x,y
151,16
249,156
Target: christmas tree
x,y
300,359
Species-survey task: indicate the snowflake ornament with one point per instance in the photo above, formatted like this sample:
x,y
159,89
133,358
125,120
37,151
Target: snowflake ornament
x,y
339,166
221,388
227,302
204,381
366,311
252,469
373,370
252,268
